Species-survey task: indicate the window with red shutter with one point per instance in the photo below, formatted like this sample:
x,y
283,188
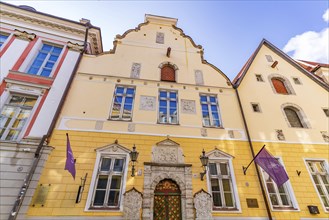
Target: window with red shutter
x,y
279,86
168,74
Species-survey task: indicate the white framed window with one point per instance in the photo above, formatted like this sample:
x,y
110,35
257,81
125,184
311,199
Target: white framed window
x,y
210,112
123,102
168,107
108,179
14,115
45,60
281,197
221,182
318,170
3,38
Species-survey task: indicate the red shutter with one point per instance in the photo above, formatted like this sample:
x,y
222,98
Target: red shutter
x,y
168,74
279,86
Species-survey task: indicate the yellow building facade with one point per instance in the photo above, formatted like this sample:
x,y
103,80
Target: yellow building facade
x,y
154,96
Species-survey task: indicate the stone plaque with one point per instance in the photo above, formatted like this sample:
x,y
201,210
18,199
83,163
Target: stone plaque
x,y
188,106
280,135
135,70
198,77
41,194
160,38
252,203
203,205
147,103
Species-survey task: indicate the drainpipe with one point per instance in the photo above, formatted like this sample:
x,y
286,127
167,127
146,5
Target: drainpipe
x,y
37,155
253,155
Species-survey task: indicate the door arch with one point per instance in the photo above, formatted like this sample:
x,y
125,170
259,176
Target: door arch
x,y
167,201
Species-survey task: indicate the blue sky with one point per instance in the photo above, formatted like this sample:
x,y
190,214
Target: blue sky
x,y
229,31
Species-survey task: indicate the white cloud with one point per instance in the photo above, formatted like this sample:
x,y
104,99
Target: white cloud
x,y
325,16
310,45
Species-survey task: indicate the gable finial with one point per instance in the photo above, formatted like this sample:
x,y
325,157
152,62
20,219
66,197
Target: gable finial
x,y
116,141
167,137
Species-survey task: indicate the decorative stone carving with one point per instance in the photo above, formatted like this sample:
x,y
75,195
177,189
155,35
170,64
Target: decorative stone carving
x,y
160,38
203,205
147,103
131,127
135,70
325,136
204,132
218,153
132,204
188,106
23,35
115,147
75,47
198,77
280,135
231,134
167,151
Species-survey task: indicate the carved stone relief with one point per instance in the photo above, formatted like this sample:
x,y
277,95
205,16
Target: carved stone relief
x,y
135,70
231,134
204,132
132,204
131,127
203,205
188,106
147,103
160,38
280,135
198,77
167,151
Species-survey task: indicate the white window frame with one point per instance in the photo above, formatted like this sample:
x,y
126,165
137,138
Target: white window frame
x,y
326,166
217,156
168,99
34,52
15,89
289,191
209,109
123,102
106,152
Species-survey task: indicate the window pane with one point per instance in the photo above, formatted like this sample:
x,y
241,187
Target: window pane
x,y
173,104
228,199
223,168
217,199
99,198
12,135
212,99
130,91
118,165
113,198
226,185
163,94
119,90
116,182
102,182
173,95
214,185
106,163
293,118
45,72
274,199
163,103
203,98
284,200
270,187
213,169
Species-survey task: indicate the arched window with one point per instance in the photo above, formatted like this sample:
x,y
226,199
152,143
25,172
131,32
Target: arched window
x,y
279,86
293,117
168,73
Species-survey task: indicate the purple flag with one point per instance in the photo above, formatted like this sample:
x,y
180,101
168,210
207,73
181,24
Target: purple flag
x,y
272,167
69,165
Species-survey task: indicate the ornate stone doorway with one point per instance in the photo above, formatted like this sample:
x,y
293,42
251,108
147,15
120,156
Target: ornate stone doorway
x,y
167,201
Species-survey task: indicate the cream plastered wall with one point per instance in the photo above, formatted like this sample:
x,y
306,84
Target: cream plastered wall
x,y
309,96
91,95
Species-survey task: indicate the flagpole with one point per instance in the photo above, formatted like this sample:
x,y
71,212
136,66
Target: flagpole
x,y
246,168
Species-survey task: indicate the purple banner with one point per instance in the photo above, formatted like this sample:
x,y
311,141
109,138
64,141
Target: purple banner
x,y
272,167
70,164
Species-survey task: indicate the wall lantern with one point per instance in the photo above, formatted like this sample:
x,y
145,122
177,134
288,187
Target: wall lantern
x,y
133,157
204,161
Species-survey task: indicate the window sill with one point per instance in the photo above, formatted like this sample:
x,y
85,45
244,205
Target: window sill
x,y
121,120
220,127
160,123
104,209
225,209
284,209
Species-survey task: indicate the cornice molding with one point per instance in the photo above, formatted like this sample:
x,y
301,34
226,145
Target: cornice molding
x,y
75,47
40,22
23,35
